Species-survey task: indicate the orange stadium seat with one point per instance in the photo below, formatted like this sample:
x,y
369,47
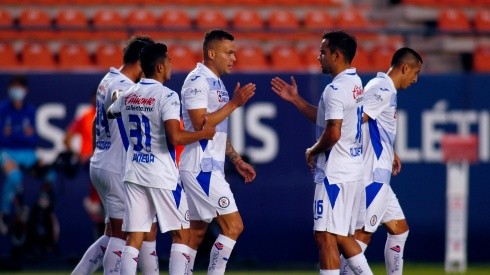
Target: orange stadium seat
x,y
380,57
482,20
285,58
9,58
318,20
175,19
37,56
351,19
109,24
72,24
108,55
251,58
141,20
361,60
35,23
6,25
73,56
182,57
247,20
453,20
208,19
282,20
481,59
310,57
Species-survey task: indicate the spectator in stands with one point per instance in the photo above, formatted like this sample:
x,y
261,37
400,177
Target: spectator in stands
x,y
18,140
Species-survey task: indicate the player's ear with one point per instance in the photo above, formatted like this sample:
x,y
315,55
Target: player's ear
x,y
211,54
405,68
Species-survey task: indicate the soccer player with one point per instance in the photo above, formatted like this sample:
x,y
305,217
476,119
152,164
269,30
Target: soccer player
x,y
380,161
107,165
151,115
202,163
336,157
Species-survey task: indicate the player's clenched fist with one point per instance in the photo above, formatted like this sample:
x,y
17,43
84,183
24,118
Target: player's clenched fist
x,y
208,130
242,94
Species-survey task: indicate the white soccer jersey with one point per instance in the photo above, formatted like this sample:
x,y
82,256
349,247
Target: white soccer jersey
x,y
150,159
203,89
341,99
380,130
109,150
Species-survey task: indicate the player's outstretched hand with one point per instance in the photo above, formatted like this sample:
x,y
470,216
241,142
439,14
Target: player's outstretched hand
x,y
242,94
397,165
310,158
207,129
245,170
286,91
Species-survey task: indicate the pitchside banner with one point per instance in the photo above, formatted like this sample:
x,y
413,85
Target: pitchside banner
x,y
277,207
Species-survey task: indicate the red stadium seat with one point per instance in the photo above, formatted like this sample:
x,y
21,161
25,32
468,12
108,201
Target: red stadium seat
x,y
361,60
247,20
481,59
310,57
482,20
108,55
380,57
109,24
351,19
37,56
251,58
73,56
72,24
175,19
318,20
282,20
209,19
6,25
453,20
286,58
35,24
9,58
182,57
141,20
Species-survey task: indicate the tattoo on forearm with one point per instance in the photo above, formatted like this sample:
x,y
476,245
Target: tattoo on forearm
x,y
231,153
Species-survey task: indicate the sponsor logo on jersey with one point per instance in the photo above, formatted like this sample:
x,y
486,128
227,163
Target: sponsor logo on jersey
x,y
196,77
223,202
378,97
138,100
373,220
186,215
384,89
357,93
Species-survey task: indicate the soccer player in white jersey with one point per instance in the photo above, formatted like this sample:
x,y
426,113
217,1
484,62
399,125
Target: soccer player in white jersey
x,y
202,163
151,115
380,161
107,165
336,157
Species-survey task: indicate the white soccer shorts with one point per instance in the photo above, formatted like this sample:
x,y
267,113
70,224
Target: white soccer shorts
x,y
111,192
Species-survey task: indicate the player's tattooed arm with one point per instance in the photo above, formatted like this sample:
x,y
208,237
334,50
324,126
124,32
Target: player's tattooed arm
x,y
244,169
231,153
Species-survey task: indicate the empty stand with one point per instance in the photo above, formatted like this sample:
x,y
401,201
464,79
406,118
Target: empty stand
x,y
35,23
141,20
251,58
108,55
109,24
9,58
208,19
72,24
310,56
482,20
37,56
281,20
351,19
7,31
286,58
73,56
247,20
361,60
182,57
318,20
380,57
481,59
176,19
453,20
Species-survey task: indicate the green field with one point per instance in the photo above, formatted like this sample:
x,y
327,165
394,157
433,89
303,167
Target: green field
x,y
410,269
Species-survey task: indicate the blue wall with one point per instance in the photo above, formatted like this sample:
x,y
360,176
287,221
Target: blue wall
x,y
277,207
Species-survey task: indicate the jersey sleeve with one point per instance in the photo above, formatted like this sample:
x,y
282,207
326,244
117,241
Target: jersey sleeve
x,y
376,99
333,100
194,94
170,107
116,107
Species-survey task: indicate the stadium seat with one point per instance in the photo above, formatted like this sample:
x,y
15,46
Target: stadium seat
x,y
351,19
481,59
141,20
109,24
380,57
209,19
108,55
177,19
37,56
281,20
251,58
9,58
73,56
247,20
310,57
182,57
285,58
453,20
317,20
482,20
72,24
7,31
361,60
35,24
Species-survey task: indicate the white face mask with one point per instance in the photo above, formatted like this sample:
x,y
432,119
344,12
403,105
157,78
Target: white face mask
x,y
17,93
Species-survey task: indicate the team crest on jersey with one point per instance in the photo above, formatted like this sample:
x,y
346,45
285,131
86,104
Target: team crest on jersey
x,y
357,93
223,202
186,215
373,220
222,96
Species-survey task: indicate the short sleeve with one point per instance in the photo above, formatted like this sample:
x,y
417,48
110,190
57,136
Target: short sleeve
x,y
333,100
376,99
116,107
170,107
194,94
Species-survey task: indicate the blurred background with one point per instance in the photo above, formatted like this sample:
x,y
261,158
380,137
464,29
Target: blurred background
x,y
64,47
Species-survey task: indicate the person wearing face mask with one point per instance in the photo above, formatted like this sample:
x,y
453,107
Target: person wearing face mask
x,y
18,140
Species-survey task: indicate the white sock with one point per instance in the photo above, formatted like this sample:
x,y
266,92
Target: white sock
x,y
112,258
329,272
192,259
148,258
129,260
359,265
395,244
220,253
92,259
344,266
179,259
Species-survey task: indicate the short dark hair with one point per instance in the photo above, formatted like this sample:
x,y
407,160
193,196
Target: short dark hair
x,y
133,47
212,35
19,80
405,55
343,42
150,56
